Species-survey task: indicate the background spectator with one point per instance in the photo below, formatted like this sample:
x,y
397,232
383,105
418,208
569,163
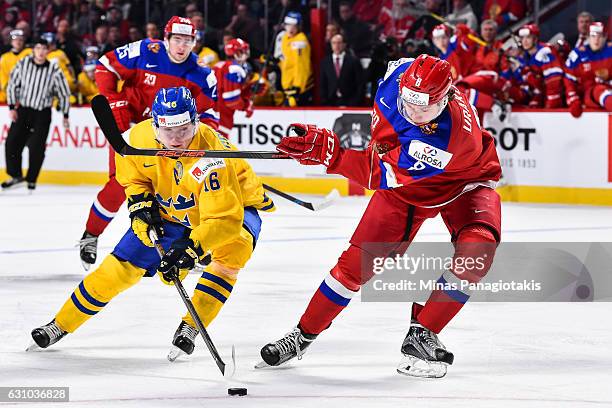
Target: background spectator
x,y
583,21
134,34
152,31
396,19
67,43
504,12
246,27
86,82
463,14
367,10
341,76
114,18
422,27
357,33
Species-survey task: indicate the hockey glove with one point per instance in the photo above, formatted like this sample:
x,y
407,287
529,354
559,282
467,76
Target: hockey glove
x,y
180,258
311,145
144,213
575,106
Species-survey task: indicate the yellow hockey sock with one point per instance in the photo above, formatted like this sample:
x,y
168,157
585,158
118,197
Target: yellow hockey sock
x,y
95,291
210,294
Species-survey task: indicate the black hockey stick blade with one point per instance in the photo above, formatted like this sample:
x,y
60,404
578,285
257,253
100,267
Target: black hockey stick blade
x,y
327,201
104,115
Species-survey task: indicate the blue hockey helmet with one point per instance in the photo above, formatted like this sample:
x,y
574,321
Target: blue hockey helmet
x,y
48,37
174,107
293,18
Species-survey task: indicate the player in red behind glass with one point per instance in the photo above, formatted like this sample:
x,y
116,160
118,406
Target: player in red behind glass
x,y
232,85
588,73
428,156
144,67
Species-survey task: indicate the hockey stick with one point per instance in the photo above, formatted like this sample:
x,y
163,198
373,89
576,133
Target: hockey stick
x,y
104,115
327,201
227,370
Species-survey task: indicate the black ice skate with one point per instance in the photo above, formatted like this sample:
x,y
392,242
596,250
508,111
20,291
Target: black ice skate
x,y
46,335
13,182
424,354
88,249
183,342
293,344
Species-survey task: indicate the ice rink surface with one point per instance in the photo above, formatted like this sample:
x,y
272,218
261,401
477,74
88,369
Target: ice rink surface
x,y
506,355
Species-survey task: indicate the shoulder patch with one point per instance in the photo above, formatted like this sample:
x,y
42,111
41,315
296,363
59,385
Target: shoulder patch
x,y
211,79
203,167
543,54
134,49
393,65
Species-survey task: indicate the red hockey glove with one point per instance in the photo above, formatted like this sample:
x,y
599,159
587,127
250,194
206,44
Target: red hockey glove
x,y
248,110
121,112
311,145
575,108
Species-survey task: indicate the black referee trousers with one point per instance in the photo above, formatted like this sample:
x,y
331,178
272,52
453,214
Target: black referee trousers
x,y
30,129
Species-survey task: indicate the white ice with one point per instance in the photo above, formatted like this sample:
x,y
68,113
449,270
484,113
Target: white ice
x,y
506,355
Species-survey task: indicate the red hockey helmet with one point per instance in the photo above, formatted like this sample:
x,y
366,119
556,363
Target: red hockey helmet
x,y
180,25
236,45
529,29
426,81
440,30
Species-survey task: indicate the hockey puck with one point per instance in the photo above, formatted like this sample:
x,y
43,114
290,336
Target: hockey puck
x,y
237,391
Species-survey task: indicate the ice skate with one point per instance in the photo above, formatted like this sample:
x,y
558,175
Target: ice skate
x,y
46,335
88,249
183,342
293,344
424,354
13,183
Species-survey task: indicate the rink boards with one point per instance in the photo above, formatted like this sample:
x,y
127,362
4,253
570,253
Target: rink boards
x,y
547,156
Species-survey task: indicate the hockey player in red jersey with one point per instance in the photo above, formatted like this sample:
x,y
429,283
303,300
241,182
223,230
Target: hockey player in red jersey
x,y
546,69
588,73
428,155
232,85
480,84
144,67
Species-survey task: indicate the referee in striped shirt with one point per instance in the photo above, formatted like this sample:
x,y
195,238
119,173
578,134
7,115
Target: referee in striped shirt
x,y
32,85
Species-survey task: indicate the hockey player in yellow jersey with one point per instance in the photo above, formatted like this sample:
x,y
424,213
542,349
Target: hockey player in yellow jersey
x,y
295,66
9,59
86,82
196,206
62,61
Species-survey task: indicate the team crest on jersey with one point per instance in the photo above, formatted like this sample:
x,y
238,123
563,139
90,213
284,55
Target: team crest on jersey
x,y
178,172
429,128
153,47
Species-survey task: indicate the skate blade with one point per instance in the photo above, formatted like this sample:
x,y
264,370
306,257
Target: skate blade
x,y
415,367
175,353
85,265
262,364
33,347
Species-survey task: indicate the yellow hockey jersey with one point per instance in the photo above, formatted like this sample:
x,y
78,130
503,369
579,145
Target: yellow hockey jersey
x,y
295,65
204,194
8,60
207,57
87,87
64,63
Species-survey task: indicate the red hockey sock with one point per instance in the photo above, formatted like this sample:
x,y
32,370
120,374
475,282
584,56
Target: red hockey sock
x,y
105,207
328,301
473,242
